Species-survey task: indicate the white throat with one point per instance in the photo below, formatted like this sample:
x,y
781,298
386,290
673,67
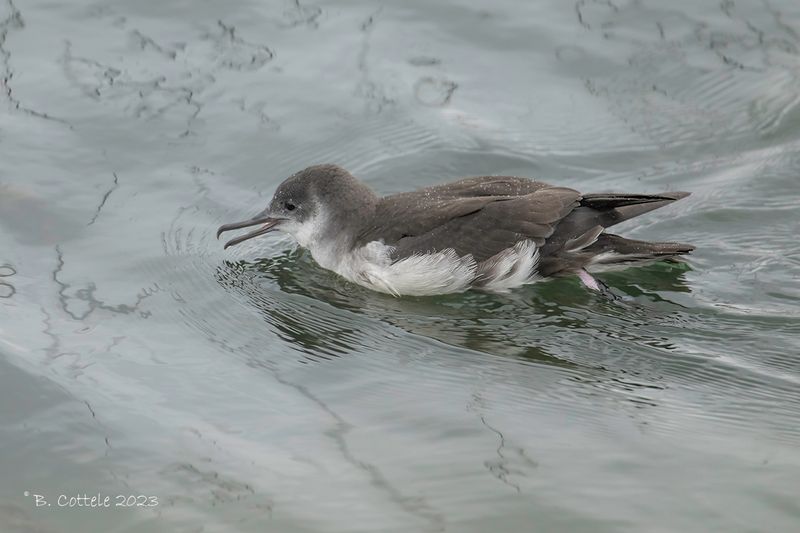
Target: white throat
x,y
326,250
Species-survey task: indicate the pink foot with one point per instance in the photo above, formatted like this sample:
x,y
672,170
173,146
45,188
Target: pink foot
x,y
588,280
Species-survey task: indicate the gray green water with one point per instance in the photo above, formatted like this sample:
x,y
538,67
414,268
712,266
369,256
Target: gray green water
x,y
249,390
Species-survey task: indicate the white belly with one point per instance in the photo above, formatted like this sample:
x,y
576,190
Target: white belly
x,y
440,272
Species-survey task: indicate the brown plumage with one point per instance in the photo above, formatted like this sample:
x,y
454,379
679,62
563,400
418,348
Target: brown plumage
x,y
492,232
485,215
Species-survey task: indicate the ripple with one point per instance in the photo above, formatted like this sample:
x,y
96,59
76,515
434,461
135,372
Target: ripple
x,y
434,92
7,290
689,80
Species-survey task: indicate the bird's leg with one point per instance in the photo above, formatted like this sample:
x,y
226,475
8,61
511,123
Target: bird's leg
x,y
589,280
597,285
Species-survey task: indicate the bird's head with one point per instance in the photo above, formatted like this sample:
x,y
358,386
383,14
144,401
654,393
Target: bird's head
x,y
311,205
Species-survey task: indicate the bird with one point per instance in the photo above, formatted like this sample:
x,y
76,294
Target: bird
x,y
487,233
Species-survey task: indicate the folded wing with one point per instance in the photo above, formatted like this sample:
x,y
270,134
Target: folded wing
x,y
481,226
484,216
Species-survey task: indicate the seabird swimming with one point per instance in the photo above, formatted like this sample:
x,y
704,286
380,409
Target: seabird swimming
x,y
492,233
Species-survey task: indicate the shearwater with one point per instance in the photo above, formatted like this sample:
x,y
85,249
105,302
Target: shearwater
x,y
491,233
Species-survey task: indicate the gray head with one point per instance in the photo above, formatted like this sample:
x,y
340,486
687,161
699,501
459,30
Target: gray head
x,y
318,204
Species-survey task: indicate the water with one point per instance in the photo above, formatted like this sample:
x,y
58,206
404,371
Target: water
x,y
249,390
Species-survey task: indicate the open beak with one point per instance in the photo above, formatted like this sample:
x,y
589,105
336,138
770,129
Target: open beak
x,y
269,224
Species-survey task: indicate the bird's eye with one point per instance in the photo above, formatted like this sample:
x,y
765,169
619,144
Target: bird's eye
x,y
289,206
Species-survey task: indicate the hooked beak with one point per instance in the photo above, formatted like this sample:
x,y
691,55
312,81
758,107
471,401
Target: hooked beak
x,y
269,225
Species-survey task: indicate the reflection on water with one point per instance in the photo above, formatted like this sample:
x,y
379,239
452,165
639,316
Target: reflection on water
x,y
251,390
475,321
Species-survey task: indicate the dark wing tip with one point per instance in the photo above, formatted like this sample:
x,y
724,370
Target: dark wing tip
x,y
677,195
604,201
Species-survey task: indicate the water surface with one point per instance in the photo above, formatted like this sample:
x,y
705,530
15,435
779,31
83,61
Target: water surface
x,y
250,390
